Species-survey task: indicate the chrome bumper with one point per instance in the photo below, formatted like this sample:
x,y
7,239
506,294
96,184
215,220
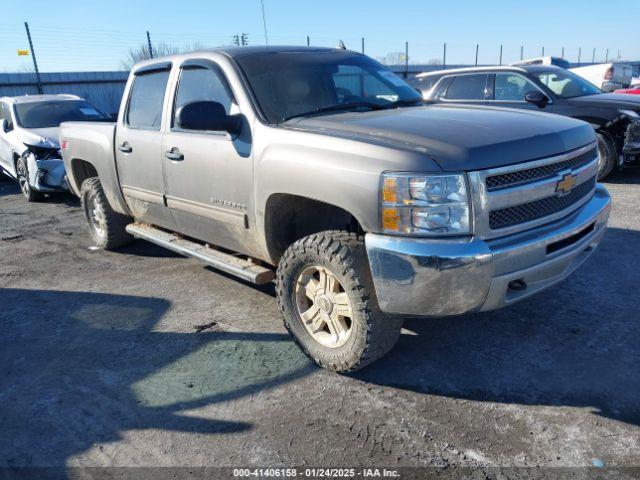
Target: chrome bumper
x,y
428,277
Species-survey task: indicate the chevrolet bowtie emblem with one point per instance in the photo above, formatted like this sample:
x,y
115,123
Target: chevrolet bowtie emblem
x,y
566,184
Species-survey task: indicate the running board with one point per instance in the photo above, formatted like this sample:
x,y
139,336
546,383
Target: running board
x,y
226,262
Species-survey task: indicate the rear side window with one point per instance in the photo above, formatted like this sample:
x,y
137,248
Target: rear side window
x,y
467,87
199,84
146,100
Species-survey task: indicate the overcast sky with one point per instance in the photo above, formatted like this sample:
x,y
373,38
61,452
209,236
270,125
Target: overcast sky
x,y
96,35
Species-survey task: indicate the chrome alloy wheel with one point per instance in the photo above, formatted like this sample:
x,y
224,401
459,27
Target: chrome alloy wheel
x,y
96,216
324,307
23,178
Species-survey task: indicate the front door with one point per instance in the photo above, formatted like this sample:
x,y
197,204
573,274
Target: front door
x,y
509,90
138,146
6,148
208,175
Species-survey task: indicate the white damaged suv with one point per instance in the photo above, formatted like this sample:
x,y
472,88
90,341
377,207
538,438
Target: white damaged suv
x,y
29,144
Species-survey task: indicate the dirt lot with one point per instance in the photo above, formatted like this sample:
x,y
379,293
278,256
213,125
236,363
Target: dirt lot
x,y
102,363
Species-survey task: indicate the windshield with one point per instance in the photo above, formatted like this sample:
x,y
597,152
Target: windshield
x,y
566,84
290,84
52,114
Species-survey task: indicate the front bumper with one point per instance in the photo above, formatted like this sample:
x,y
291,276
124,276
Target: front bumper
x,y
426,277
47,175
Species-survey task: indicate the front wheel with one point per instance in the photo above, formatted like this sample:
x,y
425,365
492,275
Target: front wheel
x,y
608,155
22,173
327,299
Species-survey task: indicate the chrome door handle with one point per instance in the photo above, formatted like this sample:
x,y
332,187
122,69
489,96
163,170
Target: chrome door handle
x,y
125,147
174,154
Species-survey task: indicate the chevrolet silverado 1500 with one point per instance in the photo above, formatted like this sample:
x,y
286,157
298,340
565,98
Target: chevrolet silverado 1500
x,y
322,170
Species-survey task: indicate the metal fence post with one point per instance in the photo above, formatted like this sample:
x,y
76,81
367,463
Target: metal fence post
x,y
500,55
477,48
307,40
444,55
406,59
593,58
149,44
579,55
562,52
363,45
521,52
33,57
543,51
606,57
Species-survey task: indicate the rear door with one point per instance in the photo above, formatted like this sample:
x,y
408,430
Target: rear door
x,y
208,174
138,145
467,88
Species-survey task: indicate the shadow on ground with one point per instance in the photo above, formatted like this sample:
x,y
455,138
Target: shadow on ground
x,y
80,368
577,344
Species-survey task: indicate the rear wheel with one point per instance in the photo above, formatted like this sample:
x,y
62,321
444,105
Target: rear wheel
x,y
106,226
327,298
608,155
22,173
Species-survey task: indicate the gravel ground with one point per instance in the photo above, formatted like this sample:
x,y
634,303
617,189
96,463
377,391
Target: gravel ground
x,y
102,364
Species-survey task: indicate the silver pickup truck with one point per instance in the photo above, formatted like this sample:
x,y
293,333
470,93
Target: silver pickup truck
x,y
322,170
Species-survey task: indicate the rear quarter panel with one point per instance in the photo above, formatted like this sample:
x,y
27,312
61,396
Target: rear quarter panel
x,y
93,142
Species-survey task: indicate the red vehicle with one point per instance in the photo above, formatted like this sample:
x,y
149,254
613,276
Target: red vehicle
x,y
634,90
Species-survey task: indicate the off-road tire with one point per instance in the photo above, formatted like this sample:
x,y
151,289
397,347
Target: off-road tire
x,y
608,155
373,333
113,234
22,169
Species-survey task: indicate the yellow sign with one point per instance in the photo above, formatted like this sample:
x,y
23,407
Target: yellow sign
x,y
23,53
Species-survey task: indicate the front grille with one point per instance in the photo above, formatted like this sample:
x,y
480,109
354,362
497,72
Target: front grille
x,y
507,180
44,153
507,217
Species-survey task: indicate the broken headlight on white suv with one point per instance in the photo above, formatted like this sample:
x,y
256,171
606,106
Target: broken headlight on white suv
x,y
427,205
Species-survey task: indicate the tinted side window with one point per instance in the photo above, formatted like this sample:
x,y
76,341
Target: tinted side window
x,y
199,84
145,102
6,114
467,87
510,87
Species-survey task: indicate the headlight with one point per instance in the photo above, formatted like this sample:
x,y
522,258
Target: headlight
x,y
630,114
424,204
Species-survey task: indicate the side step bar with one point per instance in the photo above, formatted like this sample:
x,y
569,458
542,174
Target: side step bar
x,y
226,262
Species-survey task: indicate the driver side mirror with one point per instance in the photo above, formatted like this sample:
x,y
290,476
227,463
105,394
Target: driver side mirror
x,y
207,116
3,125
537,98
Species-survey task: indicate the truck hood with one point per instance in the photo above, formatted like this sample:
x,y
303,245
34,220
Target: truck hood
x,y
459,138
40,137
611,100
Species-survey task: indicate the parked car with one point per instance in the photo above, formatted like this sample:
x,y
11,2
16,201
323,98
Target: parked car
x,y
606,76
325,164
556,61
29,146
631,90
614,117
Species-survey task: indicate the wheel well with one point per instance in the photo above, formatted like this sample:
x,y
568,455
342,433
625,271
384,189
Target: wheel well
x,y
81,170
291,217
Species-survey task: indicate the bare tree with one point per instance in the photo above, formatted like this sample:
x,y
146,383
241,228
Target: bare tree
x,y
393,58
141,53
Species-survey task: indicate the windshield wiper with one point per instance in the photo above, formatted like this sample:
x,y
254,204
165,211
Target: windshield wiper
x,y
405,102
340,106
